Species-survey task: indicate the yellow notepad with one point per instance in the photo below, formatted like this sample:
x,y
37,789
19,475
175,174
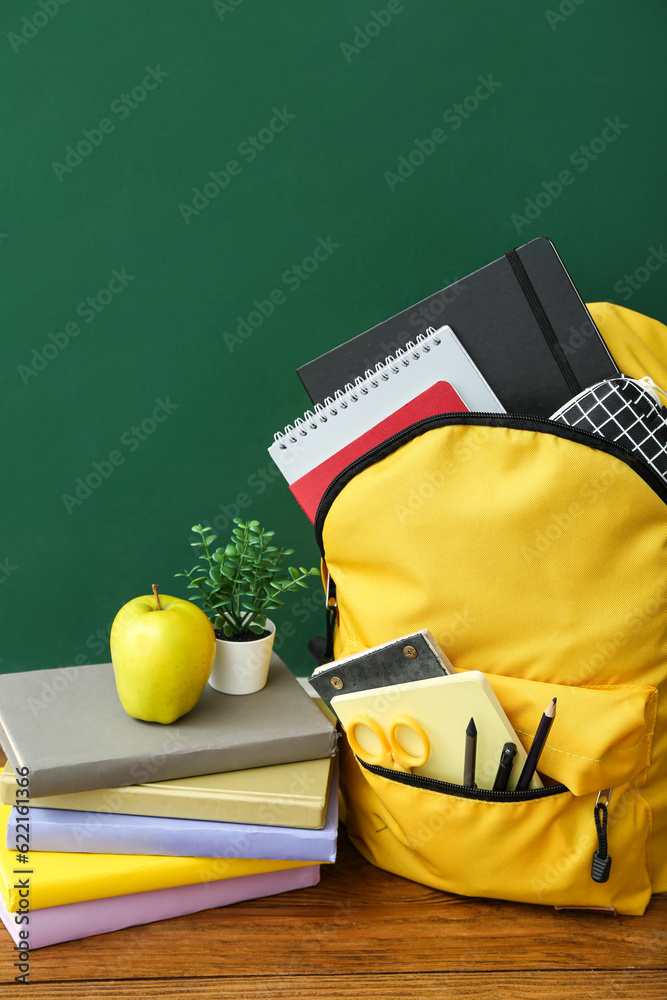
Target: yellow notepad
x,y
443,707
54,879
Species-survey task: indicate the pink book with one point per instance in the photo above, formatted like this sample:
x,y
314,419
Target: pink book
x,y
439,398
55,924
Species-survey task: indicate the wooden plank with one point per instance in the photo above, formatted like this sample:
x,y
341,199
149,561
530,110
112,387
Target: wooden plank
x,y
649,985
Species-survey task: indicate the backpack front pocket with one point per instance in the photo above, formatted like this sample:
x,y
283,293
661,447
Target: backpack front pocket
x,y
532,846
527,847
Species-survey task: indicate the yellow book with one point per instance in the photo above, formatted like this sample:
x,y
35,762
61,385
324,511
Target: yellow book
x,y
293,795
49,879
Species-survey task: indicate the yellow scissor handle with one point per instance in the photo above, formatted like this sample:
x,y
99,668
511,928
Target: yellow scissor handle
x,y
391,752
400,755
384,758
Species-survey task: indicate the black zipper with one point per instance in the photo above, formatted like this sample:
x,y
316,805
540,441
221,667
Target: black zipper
x,y
527,423
462,791
601,864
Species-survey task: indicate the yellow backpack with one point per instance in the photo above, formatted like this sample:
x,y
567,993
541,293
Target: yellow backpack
x,y
536,554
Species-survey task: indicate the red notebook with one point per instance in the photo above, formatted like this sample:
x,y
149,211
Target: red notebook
x,y
439,398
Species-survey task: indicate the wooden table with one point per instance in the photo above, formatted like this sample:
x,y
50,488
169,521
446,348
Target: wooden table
x,y
360,933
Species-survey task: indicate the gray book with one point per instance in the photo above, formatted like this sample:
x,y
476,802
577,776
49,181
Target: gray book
x,y
70,729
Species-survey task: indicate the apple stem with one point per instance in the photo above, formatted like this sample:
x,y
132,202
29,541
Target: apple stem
x,y
157,597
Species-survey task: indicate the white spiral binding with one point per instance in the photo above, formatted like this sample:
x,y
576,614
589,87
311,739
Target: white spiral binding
x,y
342,398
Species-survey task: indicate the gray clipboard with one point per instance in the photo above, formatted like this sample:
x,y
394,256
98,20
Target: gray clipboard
x,y
412,657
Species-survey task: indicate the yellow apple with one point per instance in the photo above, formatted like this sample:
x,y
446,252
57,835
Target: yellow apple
x,y
162,650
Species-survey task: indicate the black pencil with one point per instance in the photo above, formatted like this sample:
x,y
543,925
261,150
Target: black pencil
x,y
471,755
536,746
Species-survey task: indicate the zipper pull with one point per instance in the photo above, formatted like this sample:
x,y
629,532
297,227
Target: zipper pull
x,y
601,860
323,649
332,614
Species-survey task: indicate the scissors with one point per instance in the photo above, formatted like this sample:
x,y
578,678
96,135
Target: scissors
x,y
391,754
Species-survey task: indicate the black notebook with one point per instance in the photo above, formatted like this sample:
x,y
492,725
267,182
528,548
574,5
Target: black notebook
x,y
520,319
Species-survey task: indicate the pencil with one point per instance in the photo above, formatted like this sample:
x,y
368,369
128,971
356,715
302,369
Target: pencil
x,y
471,755
536,746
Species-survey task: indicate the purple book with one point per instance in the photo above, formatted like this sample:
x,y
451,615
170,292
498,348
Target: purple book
x,y
116,833
55,924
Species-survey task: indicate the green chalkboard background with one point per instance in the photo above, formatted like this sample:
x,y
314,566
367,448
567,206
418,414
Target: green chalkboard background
x,y
172,90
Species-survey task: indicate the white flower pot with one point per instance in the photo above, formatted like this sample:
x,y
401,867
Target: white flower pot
x,y
242,667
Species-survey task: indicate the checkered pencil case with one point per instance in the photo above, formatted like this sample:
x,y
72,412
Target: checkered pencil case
x,y
624,410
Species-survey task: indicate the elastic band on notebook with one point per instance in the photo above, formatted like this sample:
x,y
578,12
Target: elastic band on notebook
x,y
543,320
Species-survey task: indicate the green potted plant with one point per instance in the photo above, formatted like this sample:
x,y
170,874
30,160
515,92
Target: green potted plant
x,y
238,584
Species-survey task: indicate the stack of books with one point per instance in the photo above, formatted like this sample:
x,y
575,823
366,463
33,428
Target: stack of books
x,y
112,822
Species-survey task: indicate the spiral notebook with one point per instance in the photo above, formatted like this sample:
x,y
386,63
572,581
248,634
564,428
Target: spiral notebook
x,y
433,375
310,488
